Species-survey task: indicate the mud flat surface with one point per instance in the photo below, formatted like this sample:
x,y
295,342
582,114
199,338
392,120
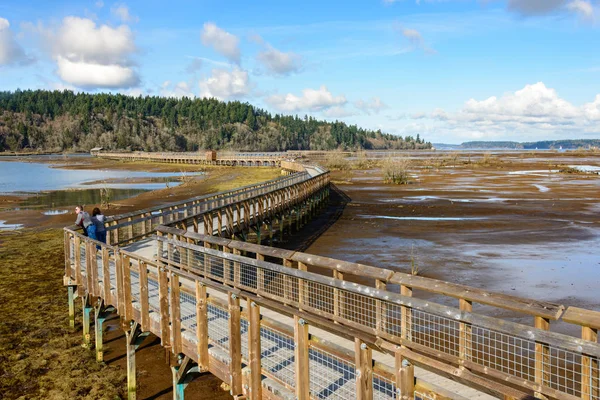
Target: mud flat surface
x,y
515,225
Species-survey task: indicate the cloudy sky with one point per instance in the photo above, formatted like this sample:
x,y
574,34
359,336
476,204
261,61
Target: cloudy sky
x,y
451,70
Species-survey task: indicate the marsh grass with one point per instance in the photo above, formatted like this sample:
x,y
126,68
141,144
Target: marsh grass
x,y
40,357
396,171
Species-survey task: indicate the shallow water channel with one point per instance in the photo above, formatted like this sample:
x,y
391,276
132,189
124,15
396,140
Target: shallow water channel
x,y
47,187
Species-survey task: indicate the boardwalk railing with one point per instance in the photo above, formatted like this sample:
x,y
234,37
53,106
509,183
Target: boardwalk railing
x,y
265,320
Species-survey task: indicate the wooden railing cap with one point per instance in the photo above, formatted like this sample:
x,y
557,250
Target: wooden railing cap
x,y
543,309
583,317
343,266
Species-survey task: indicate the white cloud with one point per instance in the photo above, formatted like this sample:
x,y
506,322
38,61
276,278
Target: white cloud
x,y
338,112
310,100
374,105
224,84
11,53
222,41
121,11
179,90
535,112
582,7
414,37
277,62
83,74
194,66
99,4
94,56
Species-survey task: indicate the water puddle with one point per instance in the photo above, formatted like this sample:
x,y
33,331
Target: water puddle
x,y
55,212
542,188
9,227
586,168
423,218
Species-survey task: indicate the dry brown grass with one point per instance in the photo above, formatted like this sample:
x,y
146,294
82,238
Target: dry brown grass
x,y
40,357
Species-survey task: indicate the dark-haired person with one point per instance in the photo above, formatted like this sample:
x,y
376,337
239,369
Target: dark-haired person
x,y
98,220
84,220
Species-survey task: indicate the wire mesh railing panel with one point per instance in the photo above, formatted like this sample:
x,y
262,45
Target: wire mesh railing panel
x,y
187,310
248,275
563,370
244,326
277,355
503,352
318,296
135,285
330,376
383,388
593,371
435,332
153,296
358,308
218,326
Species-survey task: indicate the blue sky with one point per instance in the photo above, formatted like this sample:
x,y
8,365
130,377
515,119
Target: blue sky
x,y
452,71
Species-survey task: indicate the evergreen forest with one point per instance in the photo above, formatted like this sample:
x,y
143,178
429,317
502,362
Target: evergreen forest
x,y
44,120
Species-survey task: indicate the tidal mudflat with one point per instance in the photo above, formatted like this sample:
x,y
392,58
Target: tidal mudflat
x,y
516,226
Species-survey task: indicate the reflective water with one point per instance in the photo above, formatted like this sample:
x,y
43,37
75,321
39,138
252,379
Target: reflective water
x,y
20,177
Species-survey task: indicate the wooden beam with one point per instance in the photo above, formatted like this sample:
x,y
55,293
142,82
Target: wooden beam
x,y
235,345
542,357
202,326
301,359
254,346
364,370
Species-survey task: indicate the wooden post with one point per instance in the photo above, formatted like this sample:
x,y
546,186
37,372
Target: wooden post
x,y
405,378
254,351
338,298
78,274
106,276
175,314
220,222
131,368
163,294
380,309
202,326
126,263
67,250
542,357
302,287
144,300
130,228
119,277
235,345
87,309
465,345
71,300
590,379
364,370
227,269
301,359
406,315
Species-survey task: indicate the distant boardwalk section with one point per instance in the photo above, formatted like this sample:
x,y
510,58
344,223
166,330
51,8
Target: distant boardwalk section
x,y
201,158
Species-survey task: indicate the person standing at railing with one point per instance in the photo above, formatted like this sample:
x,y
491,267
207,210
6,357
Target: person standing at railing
x,y
84,221
98,221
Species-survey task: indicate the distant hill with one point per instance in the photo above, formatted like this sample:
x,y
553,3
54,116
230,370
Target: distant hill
x,y
567,144
57,121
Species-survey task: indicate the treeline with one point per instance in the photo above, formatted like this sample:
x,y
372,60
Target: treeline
x,y
63,120
540,145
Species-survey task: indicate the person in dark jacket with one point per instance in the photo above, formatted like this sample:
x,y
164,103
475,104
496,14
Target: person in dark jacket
x,y
98,221
84,220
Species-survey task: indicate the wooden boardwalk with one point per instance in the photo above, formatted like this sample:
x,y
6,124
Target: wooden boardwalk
x,y
256,317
